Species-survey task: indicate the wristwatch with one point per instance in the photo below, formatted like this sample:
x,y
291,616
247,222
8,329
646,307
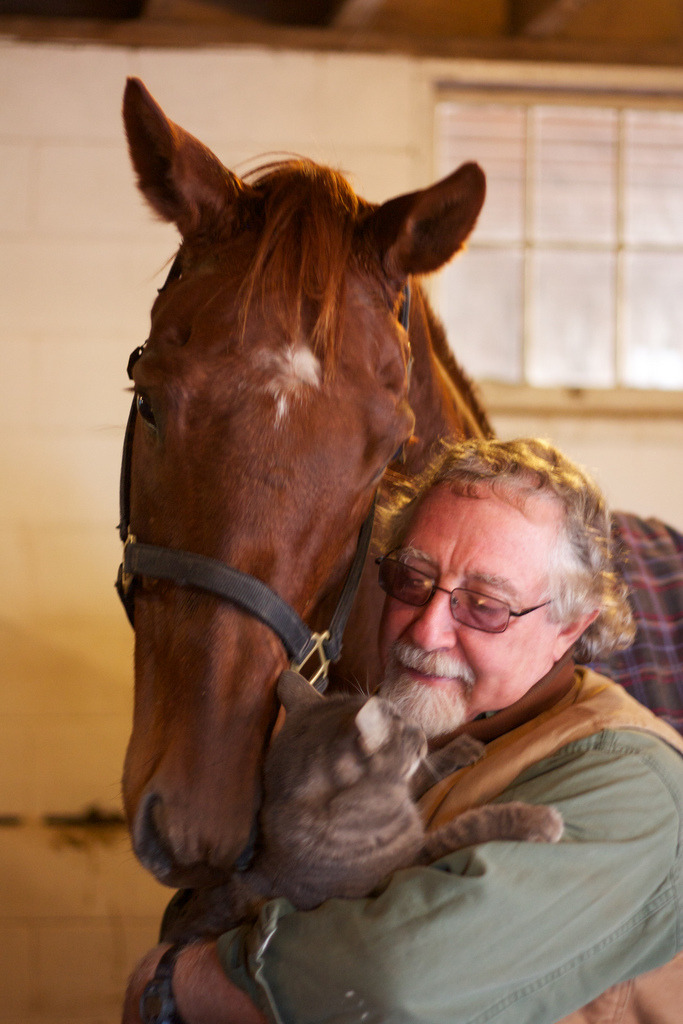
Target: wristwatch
x,y
157,1002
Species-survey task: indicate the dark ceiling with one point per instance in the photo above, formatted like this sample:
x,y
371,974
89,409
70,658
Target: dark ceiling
x,y
629,31
520,13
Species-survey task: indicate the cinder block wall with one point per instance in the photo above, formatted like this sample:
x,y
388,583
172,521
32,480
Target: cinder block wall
x,y
80,259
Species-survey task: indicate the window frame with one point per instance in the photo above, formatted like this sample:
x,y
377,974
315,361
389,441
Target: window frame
x,y
621,89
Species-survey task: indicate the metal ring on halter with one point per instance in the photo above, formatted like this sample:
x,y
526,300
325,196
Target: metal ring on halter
x,y
320,674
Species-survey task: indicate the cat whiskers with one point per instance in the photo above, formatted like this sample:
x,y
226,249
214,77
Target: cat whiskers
x,y
356,686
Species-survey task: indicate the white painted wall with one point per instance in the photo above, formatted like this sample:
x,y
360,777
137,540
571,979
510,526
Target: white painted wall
x,y
80,259
639,463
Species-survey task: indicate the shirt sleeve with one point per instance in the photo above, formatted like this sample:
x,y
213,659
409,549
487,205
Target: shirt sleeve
x,y
505,932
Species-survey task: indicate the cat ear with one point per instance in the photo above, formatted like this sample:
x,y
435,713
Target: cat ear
x,y
295,691
373,725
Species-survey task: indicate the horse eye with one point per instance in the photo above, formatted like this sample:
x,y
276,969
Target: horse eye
x,y
145,409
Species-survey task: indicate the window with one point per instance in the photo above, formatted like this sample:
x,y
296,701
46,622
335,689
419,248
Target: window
x,y
574,275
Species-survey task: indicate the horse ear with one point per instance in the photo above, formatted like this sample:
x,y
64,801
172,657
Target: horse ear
x,y
419,232
373,725
180,178
296,692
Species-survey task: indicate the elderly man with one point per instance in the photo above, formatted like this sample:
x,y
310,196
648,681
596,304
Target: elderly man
x,y
498,571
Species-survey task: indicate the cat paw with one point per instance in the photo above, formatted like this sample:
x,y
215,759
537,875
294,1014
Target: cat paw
x,y
460,752
464,750
546,825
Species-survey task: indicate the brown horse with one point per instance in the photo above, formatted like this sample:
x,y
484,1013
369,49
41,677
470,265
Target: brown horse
x,y
271,395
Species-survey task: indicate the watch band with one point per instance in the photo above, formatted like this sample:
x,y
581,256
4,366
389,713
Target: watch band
x,y
157,1002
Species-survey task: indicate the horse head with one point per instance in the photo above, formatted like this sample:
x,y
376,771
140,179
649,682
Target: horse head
x,y
271,395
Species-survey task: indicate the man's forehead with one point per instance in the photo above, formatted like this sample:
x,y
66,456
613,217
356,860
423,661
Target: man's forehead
x,y
522,497
533,523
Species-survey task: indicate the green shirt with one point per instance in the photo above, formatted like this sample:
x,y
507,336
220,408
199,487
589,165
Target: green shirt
x,y
509,932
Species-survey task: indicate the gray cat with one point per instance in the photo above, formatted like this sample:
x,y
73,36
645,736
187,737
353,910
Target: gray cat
x,y
339,816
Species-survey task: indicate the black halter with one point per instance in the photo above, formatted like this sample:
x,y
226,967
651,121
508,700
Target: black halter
x,y
187,569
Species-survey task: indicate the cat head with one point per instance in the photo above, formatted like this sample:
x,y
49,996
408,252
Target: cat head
x,y
340,740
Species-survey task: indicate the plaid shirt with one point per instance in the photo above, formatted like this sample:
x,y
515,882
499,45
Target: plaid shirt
x,y
652,668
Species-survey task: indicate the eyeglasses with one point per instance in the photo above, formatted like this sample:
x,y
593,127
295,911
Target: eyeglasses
x,y
412,586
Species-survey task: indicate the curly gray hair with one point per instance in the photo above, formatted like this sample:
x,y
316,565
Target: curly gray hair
x,y
583,574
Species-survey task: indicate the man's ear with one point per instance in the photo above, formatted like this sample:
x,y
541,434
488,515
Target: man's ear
x,y
570,633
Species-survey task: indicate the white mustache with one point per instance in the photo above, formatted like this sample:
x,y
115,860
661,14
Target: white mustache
x,y
432,663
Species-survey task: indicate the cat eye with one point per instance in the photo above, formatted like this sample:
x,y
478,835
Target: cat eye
x,y
409,585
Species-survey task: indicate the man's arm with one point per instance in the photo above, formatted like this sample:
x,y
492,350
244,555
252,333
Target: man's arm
x,y
202,991
505,931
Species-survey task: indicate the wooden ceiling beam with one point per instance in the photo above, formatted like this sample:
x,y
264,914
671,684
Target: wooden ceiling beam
x,y
284,12
542,19
356,14
225,29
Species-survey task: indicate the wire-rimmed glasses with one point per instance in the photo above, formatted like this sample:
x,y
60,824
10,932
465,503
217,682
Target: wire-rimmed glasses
x,y
405,583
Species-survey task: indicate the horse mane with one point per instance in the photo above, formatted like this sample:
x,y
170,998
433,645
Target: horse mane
x,y
306,215
463,384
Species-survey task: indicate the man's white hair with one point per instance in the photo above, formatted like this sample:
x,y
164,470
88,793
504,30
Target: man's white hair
x,y
583,575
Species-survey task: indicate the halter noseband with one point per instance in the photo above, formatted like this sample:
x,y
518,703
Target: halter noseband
x,y
187,569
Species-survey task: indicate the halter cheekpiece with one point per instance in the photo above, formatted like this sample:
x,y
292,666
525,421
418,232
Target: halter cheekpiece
x,y
187,569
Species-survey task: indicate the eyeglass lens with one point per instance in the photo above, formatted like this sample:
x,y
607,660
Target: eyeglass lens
x,y
411,586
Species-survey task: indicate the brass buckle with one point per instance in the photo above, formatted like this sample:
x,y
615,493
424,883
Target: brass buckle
x,y
127,577
320,674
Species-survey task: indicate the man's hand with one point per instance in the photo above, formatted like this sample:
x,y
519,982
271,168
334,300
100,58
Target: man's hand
x,y
202,991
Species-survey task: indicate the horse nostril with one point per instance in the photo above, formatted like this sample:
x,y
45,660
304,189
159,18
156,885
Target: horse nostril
x,y
150,846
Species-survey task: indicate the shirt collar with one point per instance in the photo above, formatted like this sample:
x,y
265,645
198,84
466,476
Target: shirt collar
x,y
541,696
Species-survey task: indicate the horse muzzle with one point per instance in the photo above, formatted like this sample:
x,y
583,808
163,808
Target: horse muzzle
x,y
179,856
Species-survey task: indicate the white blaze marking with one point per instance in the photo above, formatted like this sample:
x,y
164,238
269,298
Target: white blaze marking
x,y
290,369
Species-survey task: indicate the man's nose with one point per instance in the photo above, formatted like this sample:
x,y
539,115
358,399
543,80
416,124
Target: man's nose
x,y
434,627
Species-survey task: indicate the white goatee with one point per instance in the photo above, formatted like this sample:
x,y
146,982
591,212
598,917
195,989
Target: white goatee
x,y
436,709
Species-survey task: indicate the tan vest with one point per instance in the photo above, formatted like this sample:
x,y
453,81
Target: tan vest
x,y
593,703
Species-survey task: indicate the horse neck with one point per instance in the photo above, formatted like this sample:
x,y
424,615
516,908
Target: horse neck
x,y
442,397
